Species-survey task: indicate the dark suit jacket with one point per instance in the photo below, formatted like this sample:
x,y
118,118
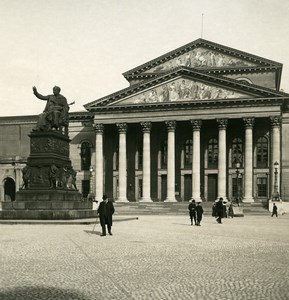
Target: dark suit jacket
x,y
105,211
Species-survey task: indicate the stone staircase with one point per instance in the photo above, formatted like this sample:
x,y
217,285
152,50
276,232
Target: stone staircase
x,y
177,208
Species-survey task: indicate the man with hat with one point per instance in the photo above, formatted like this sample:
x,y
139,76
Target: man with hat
x,y
105,212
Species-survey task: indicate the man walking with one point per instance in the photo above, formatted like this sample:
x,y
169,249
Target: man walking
x,y
274,212
105,211
199,212
219,210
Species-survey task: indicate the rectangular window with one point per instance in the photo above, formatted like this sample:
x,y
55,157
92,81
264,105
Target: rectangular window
x,y
262,186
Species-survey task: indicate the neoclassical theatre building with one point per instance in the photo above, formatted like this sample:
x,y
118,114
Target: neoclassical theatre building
x,y
202,121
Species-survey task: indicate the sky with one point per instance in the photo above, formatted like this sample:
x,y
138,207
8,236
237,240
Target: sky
x,y
84,46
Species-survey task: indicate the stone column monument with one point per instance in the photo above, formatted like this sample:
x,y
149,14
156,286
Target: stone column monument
x,y
49,188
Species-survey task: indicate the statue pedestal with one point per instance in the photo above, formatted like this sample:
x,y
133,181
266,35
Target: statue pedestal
x,y
49,183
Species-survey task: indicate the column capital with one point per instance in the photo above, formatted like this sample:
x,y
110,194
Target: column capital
x,y
122,127
196,124
249,122
98,128
275,121
222,123
171,125
146,126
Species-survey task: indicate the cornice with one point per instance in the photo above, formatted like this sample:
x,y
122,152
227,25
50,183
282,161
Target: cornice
x,y
31,119
185,105
81,116
217,71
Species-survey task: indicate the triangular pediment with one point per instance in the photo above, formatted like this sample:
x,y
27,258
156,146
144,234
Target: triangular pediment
x,y
182,89
204,55
183,84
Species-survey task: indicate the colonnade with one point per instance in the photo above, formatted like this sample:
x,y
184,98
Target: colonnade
x,y
196,131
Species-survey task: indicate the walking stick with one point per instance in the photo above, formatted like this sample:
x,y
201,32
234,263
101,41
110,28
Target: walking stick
x,y
95,223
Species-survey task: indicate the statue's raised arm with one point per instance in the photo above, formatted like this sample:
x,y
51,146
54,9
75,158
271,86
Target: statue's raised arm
x,y
39,96
55,114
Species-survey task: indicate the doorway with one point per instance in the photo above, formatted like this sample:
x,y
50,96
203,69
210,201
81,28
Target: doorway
x,y
212,187
9,189
163,187
187,187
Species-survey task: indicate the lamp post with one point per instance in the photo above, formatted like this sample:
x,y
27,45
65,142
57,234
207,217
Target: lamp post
x,y
91,193
275,195
238,165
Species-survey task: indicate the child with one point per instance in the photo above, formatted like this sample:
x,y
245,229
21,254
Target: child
x,y
199,211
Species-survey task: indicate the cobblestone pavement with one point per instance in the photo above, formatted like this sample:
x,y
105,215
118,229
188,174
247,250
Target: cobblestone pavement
x,y
154,257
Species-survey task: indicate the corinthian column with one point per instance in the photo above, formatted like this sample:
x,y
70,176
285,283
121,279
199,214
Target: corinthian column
x,y
146,127
122,180
171,126
248,167
222,161
196,168
98,161
275,123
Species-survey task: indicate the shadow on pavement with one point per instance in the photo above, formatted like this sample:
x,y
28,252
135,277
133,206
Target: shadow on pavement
x,y
91,232
41,293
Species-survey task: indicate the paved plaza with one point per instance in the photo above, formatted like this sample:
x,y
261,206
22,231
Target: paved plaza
x,y
153,257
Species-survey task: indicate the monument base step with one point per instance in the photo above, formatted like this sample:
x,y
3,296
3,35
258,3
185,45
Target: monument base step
x,y
48,195
46,214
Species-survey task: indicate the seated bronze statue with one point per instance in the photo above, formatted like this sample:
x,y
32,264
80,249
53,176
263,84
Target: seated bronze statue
x,y
55,114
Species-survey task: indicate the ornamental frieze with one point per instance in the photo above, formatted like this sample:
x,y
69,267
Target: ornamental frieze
x,y
48,145
201,57
183,90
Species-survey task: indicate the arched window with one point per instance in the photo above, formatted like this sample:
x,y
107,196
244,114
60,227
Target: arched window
x,y
164,154
237,151
213,150
9,189
85,155
188,147
262,152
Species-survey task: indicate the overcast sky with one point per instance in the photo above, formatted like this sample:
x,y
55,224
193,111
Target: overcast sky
x,y
84,46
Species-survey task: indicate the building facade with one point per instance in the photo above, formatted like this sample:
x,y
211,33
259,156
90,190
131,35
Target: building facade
x,y
200,122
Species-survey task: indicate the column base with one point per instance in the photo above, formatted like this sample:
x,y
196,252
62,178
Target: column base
x,y
248,200
171,200
95,205
122,200
145,200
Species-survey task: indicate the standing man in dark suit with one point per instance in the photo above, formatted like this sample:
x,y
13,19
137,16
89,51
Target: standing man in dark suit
x,y
219,210
105,211
192,211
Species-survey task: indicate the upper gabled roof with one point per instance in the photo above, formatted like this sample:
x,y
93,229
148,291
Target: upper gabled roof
x,y
195,78
205,55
